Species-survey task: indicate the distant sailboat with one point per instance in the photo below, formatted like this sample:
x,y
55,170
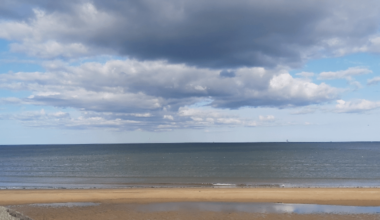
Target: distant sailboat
x,y
287,140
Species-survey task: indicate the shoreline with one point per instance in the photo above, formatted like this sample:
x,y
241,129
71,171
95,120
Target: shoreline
x,y
321,196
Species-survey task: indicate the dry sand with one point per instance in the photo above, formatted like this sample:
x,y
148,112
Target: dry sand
x,y
330,196
113,202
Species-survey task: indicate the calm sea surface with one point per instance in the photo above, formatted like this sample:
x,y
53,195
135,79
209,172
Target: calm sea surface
x,y
195,164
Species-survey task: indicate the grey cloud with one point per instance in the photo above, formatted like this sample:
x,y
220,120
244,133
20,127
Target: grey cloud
x,y
212,34
133,86
226,73
184,118
23,9
156,95
64,120
10,9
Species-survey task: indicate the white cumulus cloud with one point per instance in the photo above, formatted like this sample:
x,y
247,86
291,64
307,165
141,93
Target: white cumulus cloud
x,y
373,81
356,106
344,74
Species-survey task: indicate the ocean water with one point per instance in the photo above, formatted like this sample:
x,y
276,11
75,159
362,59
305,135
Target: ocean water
x,y
347,164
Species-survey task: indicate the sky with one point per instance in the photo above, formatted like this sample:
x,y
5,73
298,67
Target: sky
x,y
189,71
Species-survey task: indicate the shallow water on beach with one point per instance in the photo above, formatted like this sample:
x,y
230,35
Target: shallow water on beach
x,y
227,207
352,164
257,208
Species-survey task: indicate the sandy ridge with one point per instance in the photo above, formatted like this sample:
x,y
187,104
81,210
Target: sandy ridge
x,y
7,214
4,215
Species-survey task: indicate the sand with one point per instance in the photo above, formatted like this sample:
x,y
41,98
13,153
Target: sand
x,y
120,211
4,215
328,196
9,214
113,202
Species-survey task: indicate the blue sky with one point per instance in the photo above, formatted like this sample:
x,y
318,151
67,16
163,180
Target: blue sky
x,y
189,71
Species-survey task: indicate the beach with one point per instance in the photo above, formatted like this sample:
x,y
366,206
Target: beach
x,y
116,203
328,196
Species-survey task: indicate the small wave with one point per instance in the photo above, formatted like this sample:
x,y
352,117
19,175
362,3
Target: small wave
x,y
223,184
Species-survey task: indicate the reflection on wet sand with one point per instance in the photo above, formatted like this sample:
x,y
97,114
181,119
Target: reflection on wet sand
x,y
257,208
196,210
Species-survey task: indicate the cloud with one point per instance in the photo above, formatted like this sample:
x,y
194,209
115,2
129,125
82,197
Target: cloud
x,y
65,120
185,118
10,100
373,81
211,34
372,45
226,73
344,74
266,118
51,49
143,115
155,91
305,74
42,35
305,110
207,117
133,86
169,117
356,106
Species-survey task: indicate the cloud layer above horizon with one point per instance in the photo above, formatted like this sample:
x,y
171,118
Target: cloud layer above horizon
x,y
165,65
211,34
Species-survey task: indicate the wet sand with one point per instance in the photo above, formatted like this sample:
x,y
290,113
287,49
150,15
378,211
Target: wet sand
x,y
116,203
120,211
327,196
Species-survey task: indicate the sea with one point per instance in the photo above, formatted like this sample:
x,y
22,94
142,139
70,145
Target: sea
x,y
218,165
